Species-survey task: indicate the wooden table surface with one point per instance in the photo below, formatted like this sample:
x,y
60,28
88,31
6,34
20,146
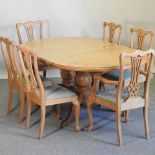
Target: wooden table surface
x,y
77,57
78,54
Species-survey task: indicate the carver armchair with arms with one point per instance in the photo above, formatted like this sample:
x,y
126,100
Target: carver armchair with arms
x,y
127,94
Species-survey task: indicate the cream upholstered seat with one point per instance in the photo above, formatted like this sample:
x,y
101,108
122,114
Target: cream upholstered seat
x,y
58,91
37,94
127,94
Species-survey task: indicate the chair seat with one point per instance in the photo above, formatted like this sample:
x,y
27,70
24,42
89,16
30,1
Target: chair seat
x,y
47,82
109,94
114,75
58,92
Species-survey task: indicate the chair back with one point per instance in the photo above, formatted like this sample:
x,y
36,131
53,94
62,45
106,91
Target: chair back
x,y
34,85
112,29
31,28
10,55
141,35
140,63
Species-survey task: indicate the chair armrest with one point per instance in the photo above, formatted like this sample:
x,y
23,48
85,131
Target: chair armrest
x,y
108,81
95,78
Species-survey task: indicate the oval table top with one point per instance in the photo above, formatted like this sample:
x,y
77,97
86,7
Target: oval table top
x,y
78,54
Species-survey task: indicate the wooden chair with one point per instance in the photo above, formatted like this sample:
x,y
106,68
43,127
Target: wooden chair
x,y
141,34
112,28
37,94
30,27
126,96
15,80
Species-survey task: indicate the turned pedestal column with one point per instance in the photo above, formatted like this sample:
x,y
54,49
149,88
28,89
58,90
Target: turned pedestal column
x,y
68,78
82,86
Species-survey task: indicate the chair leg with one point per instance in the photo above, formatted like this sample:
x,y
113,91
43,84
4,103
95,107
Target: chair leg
x,y
10,99
57,111
29,108
126,116
21,111
44,73
90,120
101,85
77,115
118,127
146,125
42,122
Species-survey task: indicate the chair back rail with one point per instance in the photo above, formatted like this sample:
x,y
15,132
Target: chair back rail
x,y
139,60
112,28
29,27
141,34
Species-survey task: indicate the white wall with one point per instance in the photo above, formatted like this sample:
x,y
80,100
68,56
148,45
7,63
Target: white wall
x,y
75,17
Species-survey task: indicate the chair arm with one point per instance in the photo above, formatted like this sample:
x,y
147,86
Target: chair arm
x,y
108,81
144,73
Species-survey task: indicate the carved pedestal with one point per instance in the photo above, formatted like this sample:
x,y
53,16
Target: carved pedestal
x,y
68,78
82,86
79,82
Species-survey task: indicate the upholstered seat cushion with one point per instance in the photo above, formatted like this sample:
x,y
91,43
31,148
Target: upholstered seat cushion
x,y
109,94
57,92
114,75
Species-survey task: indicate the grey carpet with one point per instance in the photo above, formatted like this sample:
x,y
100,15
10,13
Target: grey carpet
x,y
15,140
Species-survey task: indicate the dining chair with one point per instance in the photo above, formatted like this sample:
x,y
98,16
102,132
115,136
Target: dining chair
x,y
112,27
43,97
127,95
33,30
15,80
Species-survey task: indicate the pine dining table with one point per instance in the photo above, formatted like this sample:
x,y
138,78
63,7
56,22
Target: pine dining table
x,y
78,58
